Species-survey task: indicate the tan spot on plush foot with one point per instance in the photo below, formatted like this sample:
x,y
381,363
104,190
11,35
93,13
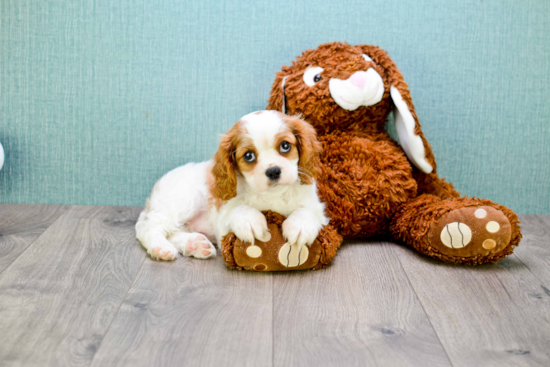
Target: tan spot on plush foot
x,y
260,267
492,227
489,244
480,213
456,235
254,251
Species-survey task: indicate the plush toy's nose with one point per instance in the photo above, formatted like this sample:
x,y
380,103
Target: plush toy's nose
x,y
358,79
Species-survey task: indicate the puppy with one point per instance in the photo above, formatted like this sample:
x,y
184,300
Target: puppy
x,y
267,161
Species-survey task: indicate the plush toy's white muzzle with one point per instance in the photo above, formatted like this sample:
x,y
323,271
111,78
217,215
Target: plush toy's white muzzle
x,y
363,88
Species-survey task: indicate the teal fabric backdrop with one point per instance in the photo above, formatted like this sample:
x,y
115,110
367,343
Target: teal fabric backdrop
x,y
99,98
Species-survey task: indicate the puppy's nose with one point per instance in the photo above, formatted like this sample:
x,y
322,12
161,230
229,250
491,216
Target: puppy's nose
x,y
358,79
273,173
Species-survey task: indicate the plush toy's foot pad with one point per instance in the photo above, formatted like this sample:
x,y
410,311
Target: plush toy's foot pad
x,y
193,244
471,231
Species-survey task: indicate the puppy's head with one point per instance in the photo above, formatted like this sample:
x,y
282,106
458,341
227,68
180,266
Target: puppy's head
x,y
267,149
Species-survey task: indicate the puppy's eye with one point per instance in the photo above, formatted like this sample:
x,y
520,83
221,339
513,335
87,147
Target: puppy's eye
x,y
312,75
249,156
284,147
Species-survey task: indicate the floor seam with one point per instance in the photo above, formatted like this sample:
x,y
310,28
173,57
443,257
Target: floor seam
x,y
118,309
36,239
422,305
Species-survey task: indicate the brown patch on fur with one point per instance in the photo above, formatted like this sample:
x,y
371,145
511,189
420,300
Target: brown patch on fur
x,y
224,170
289,137
212,201
245,144
364,177
308,146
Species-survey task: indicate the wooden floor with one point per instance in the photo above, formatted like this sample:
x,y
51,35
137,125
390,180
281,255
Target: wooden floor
x,y
76,289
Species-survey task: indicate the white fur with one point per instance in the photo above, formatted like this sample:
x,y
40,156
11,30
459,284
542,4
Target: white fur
x,y
179,215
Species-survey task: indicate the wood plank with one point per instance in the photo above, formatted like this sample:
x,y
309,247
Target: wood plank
x,y
20,225
534,248
487,315
60,296
360,311
192,312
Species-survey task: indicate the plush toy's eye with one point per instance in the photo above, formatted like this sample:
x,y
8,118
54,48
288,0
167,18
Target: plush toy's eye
x,y
284,147
249,156
312,75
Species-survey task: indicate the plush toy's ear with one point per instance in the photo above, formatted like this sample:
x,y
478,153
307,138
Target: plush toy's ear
x,y
406,124
277,98
408,128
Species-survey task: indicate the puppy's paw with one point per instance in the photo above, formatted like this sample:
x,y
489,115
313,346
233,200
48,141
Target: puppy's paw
x,y
163,251
193,244
248,223
301,229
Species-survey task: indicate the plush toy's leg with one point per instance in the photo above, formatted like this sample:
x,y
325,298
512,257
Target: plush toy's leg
x,y
457,230
434,185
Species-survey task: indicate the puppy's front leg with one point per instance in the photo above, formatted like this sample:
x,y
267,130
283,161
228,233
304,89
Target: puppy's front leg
x,y
302,227
248,223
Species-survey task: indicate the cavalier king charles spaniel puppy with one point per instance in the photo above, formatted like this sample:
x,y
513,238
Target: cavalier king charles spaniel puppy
x,y
267,161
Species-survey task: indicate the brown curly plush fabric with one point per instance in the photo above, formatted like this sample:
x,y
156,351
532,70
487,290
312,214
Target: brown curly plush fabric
x,y
368,184
320,253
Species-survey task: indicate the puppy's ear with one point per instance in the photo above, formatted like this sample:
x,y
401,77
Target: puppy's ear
x,y
408,128
309,148
277,98
224,186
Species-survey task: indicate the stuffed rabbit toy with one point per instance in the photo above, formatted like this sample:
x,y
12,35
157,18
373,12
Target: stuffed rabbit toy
x,y
373,186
